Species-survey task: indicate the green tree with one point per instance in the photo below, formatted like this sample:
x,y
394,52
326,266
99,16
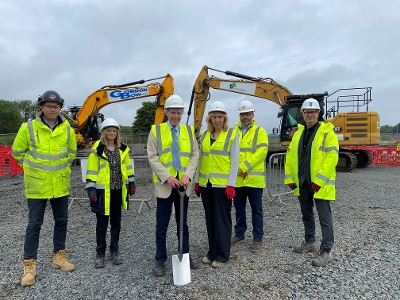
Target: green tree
x,y
125,129
27,108
388,129
144,118
10,117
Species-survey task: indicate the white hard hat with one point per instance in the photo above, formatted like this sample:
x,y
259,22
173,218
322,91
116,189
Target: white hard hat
x,y
245,106
109,122
310,103
217,106
174,101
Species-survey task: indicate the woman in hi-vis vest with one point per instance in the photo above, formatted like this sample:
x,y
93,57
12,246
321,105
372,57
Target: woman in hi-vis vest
x,y
215,181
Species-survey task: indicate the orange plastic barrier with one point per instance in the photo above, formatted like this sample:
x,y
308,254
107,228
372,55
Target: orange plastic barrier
x,y
383,155
8,165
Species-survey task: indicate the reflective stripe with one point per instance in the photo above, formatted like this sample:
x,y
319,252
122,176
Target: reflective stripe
x,y
158,138
220,152
256,173
131,179
322,177
248,165
202,175
90,184
37,155
31,134
217,175
100,186
92,172
262,145
46,168
287,176
102,166
18,153
129,167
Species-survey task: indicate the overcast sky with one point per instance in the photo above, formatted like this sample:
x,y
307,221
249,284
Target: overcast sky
x,y
77,46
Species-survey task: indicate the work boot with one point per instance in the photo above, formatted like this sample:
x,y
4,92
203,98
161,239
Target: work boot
x,y
99,262
206,260
217,264
194,263
116,258
29,272
237,240
60,261
306,246
322,259
159,269
256,246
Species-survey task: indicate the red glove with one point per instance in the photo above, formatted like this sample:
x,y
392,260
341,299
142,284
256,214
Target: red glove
x,y
93,198
315,187
230,192
132,191
292,186
197,189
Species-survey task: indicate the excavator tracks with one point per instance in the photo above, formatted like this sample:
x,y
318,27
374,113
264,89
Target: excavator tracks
x,y
347,161
364,158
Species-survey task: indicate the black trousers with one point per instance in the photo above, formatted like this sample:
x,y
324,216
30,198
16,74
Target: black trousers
x,y
217,208
324,214
115,222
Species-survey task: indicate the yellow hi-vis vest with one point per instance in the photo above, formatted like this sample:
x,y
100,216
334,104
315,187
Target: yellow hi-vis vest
x,y
163,137
324,158
253,151
215,160
46,157
98,175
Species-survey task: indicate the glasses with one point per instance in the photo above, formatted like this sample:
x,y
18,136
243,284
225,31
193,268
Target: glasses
x,y
175,113
246,114
310,112
52,106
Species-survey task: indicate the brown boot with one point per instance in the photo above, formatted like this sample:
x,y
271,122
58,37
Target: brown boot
x,y
29,272
60,261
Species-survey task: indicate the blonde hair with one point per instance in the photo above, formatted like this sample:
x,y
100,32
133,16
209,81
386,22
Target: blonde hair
x,y
210,126
117,140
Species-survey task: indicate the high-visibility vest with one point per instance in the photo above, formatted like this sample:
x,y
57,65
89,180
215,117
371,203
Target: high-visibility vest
x,y
163,137
253,151
46,157
324,158
215,160
98,175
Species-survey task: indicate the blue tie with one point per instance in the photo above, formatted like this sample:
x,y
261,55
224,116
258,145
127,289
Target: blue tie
x,y
175,150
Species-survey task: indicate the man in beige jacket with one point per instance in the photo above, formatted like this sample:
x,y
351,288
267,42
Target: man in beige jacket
x,y
173,154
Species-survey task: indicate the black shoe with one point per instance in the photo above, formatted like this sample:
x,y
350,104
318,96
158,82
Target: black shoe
x,y
116,258
159,269
194,263
99,262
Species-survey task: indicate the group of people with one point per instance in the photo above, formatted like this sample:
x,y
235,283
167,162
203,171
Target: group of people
x,y
226,165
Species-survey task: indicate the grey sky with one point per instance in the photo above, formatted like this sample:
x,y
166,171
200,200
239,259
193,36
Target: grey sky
x,y
75,47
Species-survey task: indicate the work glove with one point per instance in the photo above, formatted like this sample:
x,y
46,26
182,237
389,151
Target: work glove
x,y
197,189
292,186
315,187
92,194
230,192
132,188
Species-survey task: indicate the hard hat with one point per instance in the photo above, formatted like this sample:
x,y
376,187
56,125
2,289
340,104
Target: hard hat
x,y
310,103
217,106
109,122
52,96
174,101
245,106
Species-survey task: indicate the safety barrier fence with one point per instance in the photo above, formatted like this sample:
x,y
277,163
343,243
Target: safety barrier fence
x,y
8,165
388,156
276,175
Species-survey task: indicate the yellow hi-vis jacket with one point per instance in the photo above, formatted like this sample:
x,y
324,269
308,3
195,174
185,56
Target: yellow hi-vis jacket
x,y
253,151
163,137
98,175
46,157
324,158
215,164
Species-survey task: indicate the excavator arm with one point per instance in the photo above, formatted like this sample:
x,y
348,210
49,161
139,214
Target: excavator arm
x,y
85,117
265,88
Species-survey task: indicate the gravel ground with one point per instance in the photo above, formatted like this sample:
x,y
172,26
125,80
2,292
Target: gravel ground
x,y
366,265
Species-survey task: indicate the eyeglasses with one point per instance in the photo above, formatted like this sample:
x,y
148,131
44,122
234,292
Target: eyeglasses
x,y
175,113
310,112
246,114
52,106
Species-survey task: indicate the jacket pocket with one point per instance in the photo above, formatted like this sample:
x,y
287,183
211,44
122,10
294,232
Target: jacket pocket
x,y
35,181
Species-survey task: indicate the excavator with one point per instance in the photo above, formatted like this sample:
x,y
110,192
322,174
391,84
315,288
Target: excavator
x,y
86,119
356,130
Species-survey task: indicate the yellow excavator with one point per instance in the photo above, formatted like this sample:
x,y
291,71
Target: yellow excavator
x,y
86,119
356,130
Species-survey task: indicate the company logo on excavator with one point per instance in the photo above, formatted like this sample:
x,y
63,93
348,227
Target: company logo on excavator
x,y
128,94
338,129
239,87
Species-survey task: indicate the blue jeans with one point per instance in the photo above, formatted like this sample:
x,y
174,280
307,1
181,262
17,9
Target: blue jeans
x,y
163,215
257,214
324,214
36,215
